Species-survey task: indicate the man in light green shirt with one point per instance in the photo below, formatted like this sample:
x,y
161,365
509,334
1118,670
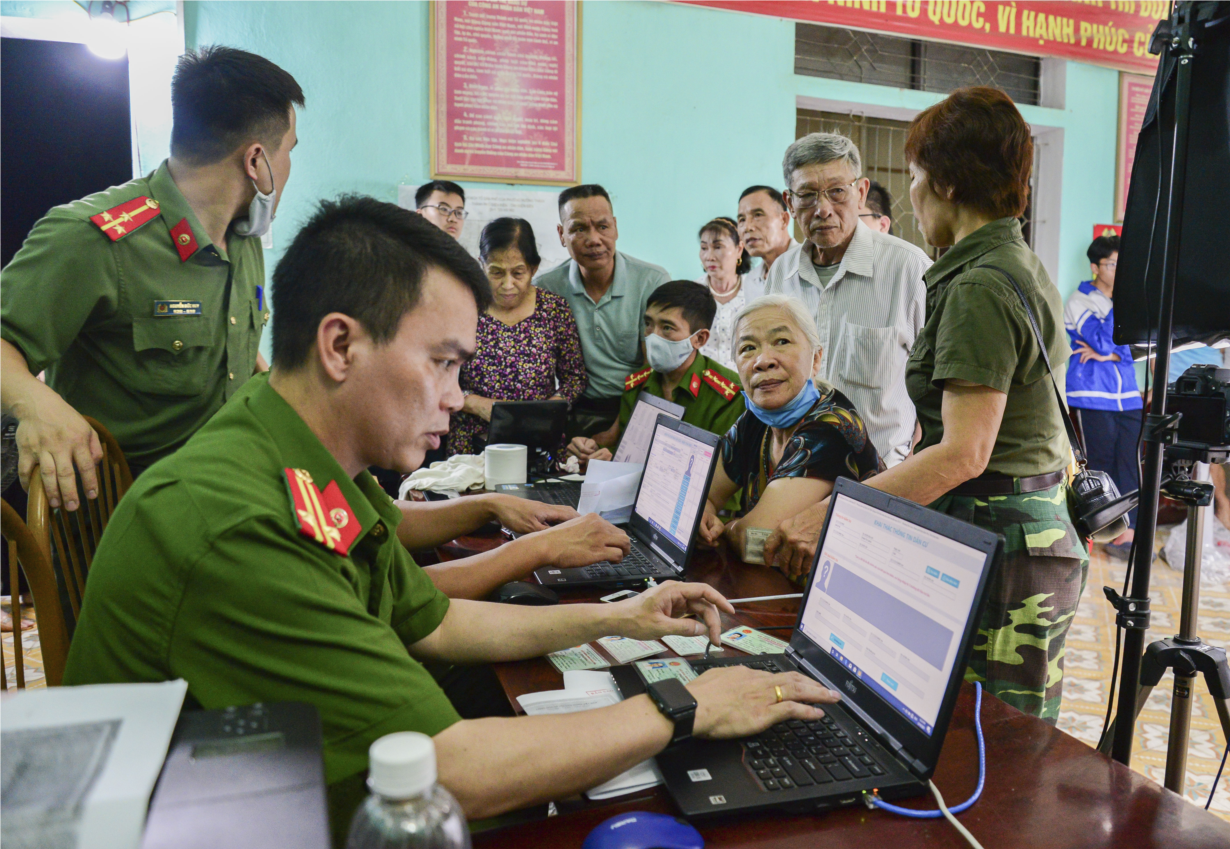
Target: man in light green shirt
x,y
607,291
261,563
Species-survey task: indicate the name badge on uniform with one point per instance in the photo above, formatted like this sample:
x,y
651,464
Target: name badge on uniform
x,y
167,309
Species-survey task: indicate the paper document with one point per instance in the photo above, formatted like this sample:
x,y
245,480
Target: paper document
x,y
587,690
80,763
610,489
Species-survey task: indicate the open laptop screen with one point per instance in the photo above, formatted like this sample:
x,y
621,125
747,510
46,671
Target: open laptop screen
x,y
890,601
674,482
634,444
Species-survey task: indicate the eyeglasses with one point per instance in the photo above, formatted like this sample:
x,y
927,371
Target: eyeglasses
x,y
869,215
1109,266
447,211
836,195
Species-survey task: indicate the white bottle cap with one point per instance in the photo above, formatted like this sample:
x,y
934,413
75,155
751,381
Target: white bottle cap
x,y
402,765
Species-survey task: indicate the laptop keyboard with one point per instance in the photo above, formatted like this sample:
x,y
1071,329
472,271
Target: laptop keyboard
x,y
800,753
552,494
634,565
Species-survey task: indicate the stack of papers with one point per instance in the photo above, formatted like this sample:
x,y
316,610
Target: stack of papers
x,y
80,762
587,690
610,489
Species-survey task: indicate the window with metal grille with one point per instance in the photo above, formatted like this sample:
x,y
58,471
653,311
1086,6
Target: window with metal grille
x,y
881,145
878,59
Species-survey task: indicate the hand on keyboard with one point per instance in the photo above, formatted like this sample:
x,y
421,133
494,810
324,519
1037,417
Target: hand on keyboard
x,y
581,541
523,516
735,701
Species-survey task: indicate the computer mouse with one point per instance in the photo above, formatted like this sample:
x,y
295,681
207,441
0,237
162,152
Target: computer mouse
x,y
523,592
643,830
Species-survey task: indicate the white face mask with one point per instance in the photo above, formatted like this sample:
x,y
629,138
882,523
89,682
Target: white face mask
x,y
666,355
260,211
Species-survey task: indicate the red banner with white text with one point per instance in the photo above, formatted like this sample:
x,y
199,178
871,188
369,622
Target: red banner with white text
x,y
1114,33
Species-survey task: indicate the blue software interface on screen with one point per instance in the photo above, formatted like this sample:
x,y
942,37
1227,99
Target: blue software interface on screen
x,y
889,602
674,484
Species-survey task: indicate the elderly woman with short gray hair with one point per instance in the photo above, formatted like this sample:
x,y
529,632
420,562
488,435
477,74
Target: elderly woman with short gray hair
x,y
795,439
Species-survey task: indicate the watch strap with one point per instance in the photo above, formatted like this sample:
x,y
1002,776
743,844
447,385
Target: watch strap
x,y
675,703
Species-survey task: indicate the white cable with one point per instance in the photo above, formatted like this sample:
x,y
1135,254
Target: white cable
x,y
763,598
935,791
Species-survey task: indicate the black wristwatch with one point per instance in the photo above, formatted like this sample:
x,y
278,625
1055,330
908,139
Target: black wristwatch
x,y
676,704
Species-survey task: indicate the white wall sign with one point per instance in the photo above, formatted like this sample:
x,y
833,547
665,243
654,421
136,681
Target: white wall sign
x,y
540,208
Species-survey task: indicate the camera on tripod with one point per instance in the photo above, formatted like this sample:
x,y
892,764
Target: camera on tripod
x,y
1202,396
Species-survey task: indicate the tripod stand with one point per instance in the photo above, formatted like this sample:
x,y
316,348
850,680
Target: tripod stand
x,y
1185,653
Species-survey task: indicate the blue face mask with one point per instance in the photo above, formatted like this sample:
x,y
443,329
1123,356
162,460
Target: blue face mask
x,y
789,413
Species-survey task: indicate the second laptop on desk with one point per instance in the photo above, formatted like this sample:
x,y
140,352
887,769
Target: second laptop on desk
x,y
669,504
633,448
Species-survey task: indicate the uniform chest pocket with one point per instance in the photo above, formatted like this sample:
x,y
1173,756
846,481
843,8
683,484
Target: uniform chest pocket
x,y
175,356
872,356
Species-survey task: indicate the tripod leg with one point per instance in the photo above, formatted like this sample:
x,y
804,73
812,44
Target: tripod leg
x,y
1108,739
1180,731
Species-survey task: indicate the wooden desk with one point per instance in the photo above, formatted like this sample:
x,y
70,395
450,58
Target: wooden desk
x,y
1043,789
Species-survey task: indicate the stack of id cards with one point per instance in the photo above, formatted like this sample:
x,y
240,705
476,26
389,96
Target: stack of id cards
x,y
753,641
753,544
579,657
626,649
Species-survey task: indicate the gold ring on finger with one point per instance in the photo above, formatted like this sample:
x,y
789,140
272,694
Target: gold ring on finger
x,y
778,690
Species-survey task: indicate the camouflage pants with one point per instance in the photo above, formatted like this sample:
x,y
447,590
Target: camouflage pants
x,y
1019,649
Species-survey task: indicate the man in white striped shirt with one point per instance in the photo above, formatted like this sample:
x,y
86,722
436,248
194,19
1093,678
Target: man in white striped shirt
x,y
865,288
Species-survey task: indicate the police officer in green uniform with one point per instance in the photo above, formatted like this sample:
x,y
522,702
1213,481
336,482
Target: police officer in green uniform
x,y
144,303
994,450
678,316
260,562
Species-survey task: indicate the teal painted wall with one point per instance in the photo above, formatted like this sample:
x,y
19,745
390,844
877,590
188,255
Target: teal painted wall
x,y
682,107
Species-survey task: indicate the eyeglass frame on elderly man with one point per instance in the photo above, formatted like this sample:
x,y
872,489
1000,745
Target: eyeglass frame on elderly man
x,y
459,212
799,203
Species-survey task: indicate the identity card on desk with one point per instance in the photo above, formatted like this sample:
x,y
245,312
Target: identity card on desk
x,y
752,641
626,649
578,657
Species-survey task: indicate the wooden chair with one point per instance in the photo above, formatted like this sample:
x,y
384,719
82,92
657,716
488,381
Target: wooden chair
x,y
33,558
67,539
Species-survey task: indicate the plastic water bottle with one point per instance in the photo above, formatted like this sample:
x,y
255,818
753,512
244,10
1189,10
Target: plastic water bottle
x,y
407,808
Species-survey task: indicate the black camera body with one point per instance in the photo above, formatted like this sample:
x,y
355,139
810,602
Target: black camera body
x,y
1202,395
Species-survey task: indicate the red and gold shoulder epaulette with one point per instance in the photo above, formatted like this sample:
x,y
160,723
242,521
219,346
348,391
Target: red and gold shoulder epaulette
x,y
121,220
724,386
322,516
637,378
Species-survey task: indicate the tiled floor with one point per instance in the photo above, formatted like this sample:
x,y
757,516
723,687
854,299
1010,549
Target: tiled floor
x,y
1090,652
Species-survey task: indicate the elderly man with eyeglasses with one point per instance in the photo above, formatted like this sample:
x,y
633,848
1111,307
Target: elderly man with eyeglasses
x,y
864,288
443,203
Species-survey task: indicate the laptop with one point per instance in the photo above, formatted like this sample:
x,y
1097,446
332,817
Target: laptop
x,y
538,425
665,515
894,598
633,448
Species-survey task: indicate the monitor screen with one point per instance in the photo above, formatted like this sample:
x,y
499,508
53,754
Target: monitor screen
x,y
634,444
674,484
890,601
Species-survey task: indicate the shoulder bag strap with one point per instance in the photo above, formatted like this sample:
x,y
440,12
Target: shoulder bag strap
x,y
1063,407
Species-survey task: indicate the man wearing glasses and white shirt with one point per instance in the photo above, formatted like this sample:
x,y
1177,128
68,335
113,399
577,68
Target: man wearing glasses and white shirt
x,y
865,288
443,203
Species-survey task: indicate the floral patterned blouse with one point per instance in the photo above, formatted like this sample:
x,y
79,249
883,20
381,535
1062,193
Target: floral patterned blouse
x,y
830,442
723,330
521,362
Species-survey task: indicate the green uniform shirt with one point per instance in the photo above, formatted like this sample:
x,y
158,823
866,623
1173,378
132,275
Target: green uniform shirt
x,y
611,329
149,333
709,393
204,574
977,330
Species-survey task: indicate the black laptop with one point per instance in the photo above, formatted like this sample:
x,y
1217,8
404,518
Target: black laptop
x,y
665,515
888,618
633,448
538,425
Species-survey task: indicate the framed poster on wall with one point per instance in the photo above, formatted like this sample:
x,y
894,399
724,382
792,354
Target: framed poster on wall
x,y
505,82
1133,100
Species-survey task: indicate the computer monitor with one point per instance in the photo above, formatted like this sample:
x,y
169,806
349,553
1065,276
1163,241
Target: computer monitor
x,y
671,497
634,442
538,425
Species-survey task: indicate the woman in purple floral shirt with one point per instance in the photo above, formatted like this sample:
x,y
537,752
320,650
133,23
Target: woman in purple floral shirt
x,y
528,347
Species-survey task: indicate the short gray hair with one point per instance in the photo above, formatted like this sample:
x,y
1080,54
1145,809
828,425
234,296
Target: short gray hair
x,y
819,148
793,307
